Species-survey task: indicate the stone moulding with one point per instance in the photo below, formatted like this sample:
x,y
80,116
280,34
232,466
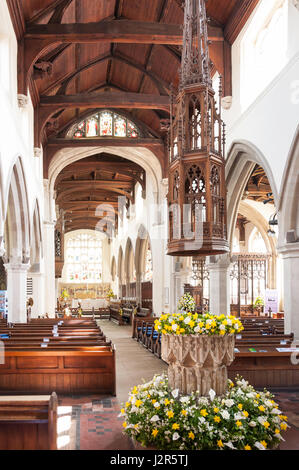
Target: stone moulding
x,y
198,363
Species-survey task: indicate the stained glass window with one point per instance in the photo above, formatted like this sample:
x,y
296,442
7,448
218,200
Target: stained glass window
x,y
120,126
105,124
84,258
92,127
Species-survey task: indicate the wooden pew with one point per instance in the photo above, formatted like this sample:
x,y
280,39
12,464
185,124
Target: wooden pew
x,y
266,369
67,370
79,360
115,316
28,423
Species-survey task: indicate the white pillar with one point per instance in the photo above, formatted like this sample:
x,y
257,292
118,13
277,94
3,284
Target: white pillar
x,y
17,290
290,256
38,307
219,295
49,257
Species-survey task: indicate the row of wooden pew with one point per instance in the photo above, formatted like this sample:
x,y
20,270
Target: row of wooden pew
x,y
144,332
66,356
123,312
45,357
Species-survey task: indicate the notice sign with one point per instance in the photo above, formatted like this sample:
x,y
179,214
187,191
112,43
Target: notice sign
x,y
271,297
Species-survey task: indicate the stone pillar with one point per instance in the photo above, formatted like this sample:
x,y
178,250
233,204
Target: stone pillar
x,y
49,256
17,290
290,256
219,295
138,288
38,308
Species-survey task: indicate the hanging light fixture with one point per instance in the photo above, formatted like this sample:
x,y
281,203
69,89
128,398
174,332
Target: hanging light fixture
x,y
197,192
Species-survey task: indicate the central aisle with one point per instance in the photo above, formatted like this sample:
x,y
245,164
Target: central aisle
x,y
133,361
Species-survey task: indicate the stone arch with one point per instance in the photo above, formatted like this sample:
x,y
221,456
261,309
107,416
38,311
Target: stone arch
x,y
2,204
142,241
288,208
17,219
113,269
242,158
140,155
120,263
261,223
36,249
129,261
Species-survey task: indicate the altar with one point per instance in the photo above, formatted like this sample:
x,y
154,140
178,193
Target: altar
x,y
88,304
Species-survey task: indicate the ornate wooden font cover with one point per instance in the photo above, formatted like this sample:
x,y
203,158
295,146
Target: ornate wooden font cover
x,y
197,192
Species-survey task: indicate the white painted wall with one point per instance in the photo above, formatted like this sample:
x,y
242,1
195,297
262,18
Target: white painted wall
x,y
16,130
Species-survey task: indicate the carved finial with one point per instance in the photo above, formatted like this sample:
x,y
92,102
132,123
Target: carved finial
x,y
22,101
195,58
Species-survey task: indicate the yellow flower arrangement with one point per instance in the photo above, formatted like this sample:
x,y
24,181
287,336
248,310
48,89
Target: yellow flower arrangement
x,y
188,323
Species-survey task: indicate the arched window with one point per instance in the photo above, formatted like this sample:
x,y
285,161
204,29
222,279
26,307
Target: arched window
x,y
83,258
105,124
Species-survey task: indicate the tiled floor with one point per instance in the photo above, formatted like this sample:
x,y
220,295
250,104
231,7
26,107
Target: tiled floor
x,y
92,422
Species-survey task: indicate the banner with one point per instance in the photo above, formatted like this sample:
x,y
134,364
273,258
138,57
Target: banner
x,y
271,301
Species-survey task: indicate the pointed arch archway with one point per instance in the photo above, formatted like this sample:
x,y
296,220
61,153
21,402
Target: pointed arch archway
x,y
17,242
241,160
120,271
288,246
144,273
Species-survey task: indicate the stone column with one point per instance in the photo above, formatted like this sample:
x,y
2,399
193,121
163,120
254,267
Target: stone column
x,y
49,256
219,295
138,288
290,256
16,290
38,308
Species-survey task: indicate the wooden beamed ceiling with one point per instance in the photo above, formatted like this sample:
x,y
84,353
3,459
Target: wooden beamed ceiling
x,y
77,56
86,189
258,187
70,48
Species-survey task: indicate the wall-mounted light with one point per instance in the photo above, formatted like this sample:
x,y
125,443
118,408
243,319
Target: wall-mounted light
x,y
273,220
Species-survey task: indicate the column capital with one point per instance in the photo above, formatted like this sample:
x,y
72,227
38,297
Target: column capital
x,y
219,262
289,250
17,266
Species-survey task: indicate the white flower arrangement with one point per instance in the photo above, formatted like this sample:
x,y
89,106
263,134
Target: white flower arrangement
x,y
247,421
187,303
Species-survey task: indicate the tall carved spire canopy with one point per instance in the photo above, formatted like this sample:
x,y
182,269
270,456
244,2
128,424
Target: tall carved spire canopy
x,y
197,192
195,67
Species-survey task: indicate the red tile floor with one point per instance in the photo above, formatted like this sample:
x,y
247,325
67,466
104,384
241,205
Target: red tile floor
x,y
92,422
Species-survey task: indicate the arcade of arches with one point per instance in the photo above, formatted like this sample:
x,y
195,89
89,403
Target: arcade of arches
x,y
84,159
